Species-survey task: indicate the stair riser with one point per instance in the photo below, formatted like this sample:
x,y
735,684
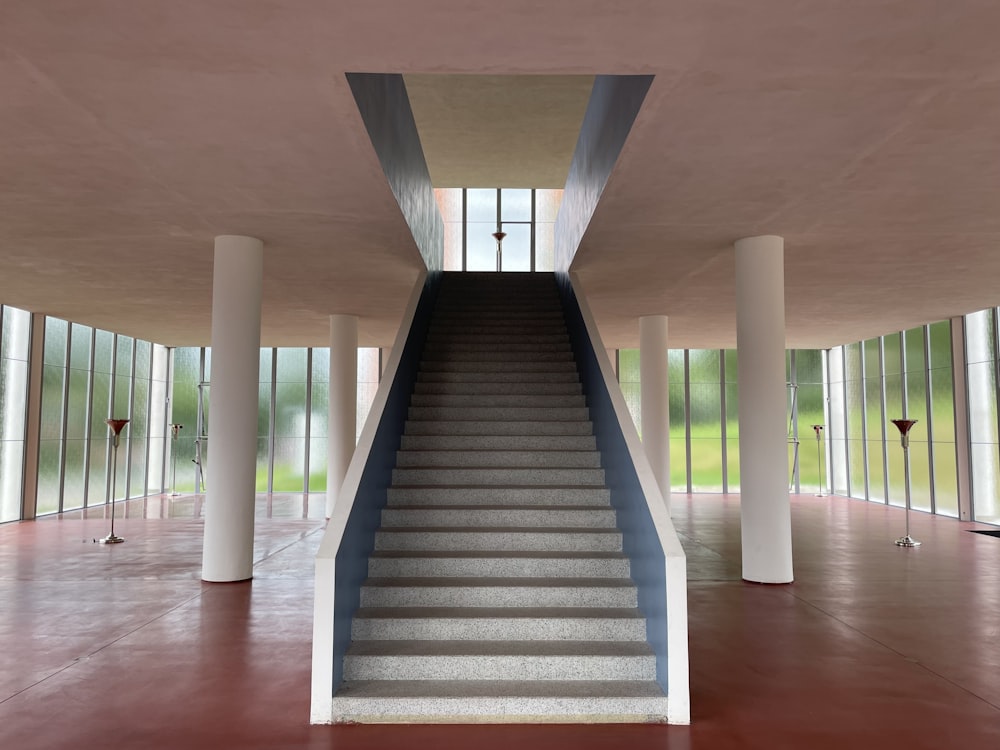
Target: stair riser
x,y
578,667
512,427
501,443
507,518
596,496
498,389
491,357
498,476
499,458
499,401
497,629
497,596
503,413
565,376
497,342
490,368
498,567
497,541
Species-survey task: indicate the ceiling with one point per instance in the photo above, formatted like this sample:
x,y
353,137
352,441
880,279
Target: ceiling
x,y
865,133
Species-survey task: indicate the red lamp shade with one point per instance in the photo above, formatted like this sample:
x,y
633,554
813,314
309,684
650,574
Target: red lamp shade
x,y
498,236
117,425
817,428
904,425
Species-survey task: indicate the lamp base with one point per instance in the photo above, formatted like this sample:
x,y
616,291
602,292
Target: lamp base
x,y
820,494
115,539
907,541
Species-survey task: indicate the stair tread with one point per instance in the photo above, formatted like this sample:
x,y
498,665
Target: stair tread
x,y
503,613
501,529
488,582
491,507
502,554
500,648
500,688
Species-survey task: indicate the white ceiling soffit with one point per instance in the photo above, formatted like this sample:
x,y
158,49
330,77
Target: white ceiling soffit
x,y
498,131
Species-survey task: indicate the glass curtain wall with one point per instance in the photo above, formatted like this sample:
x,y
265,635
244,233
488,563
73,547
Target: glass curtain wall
x,y
981,363
90,375
15,343
704,415
472,215
292,414
899,375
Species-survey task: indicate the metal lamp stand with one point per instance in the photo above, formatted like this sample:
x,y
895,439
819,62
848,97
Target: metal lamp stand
x,y
174,431
818,429
116,426
904,425
498,236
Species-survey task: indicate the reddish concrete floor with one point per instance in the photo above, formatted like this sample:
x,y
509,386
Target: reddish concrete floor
x,y
873,646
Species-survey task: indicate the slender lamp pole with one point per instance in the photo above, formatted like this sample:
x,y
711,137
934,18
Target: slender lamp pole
x,y
498,236
116,425
904,425
818,429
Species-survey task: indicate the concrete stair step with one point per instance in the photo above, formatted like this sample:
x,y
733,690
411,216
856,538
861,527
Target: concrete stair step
x,y
500,399
499,442
499,660
529,342
498,389
530,495
530,427
502,476
498,592
513,516
386,564
546,623
500,413
500,701
458,376
490,367
490,539
499,458
491,356
473,330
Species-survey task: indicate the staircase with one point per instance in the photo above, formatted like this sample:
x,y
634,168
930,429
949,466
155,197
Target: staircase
x,y
498,590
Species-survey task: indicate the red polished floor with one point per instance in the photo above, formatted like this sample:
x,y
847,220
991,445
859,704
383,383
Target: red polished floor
x,y
873,646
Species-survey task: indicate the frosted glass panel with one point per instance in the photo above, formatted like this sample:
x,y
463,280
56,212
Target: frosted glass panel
x,y
11,461
48,475
97,490
945,479
52,399
143,353
481,247
982,402
449,202
55,341
80,347
678,463
733,464
292,363
13,397
73,487
482,206
515,205
452,246
940,340
317,464
856,460
876,472
943,404
16,337
79,392
103,350
920,477
547,204
986,482
289,464
517,247
545,246
706,464
290,410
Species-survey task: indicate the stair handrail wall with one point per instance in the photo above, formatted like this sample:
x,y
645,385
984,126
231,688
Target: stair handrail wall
x,y
341,562
658,562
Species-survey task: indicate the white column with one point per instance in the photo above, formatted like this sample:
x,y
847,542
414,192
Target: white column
x,y
232,428
760,342
654,398
343,415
